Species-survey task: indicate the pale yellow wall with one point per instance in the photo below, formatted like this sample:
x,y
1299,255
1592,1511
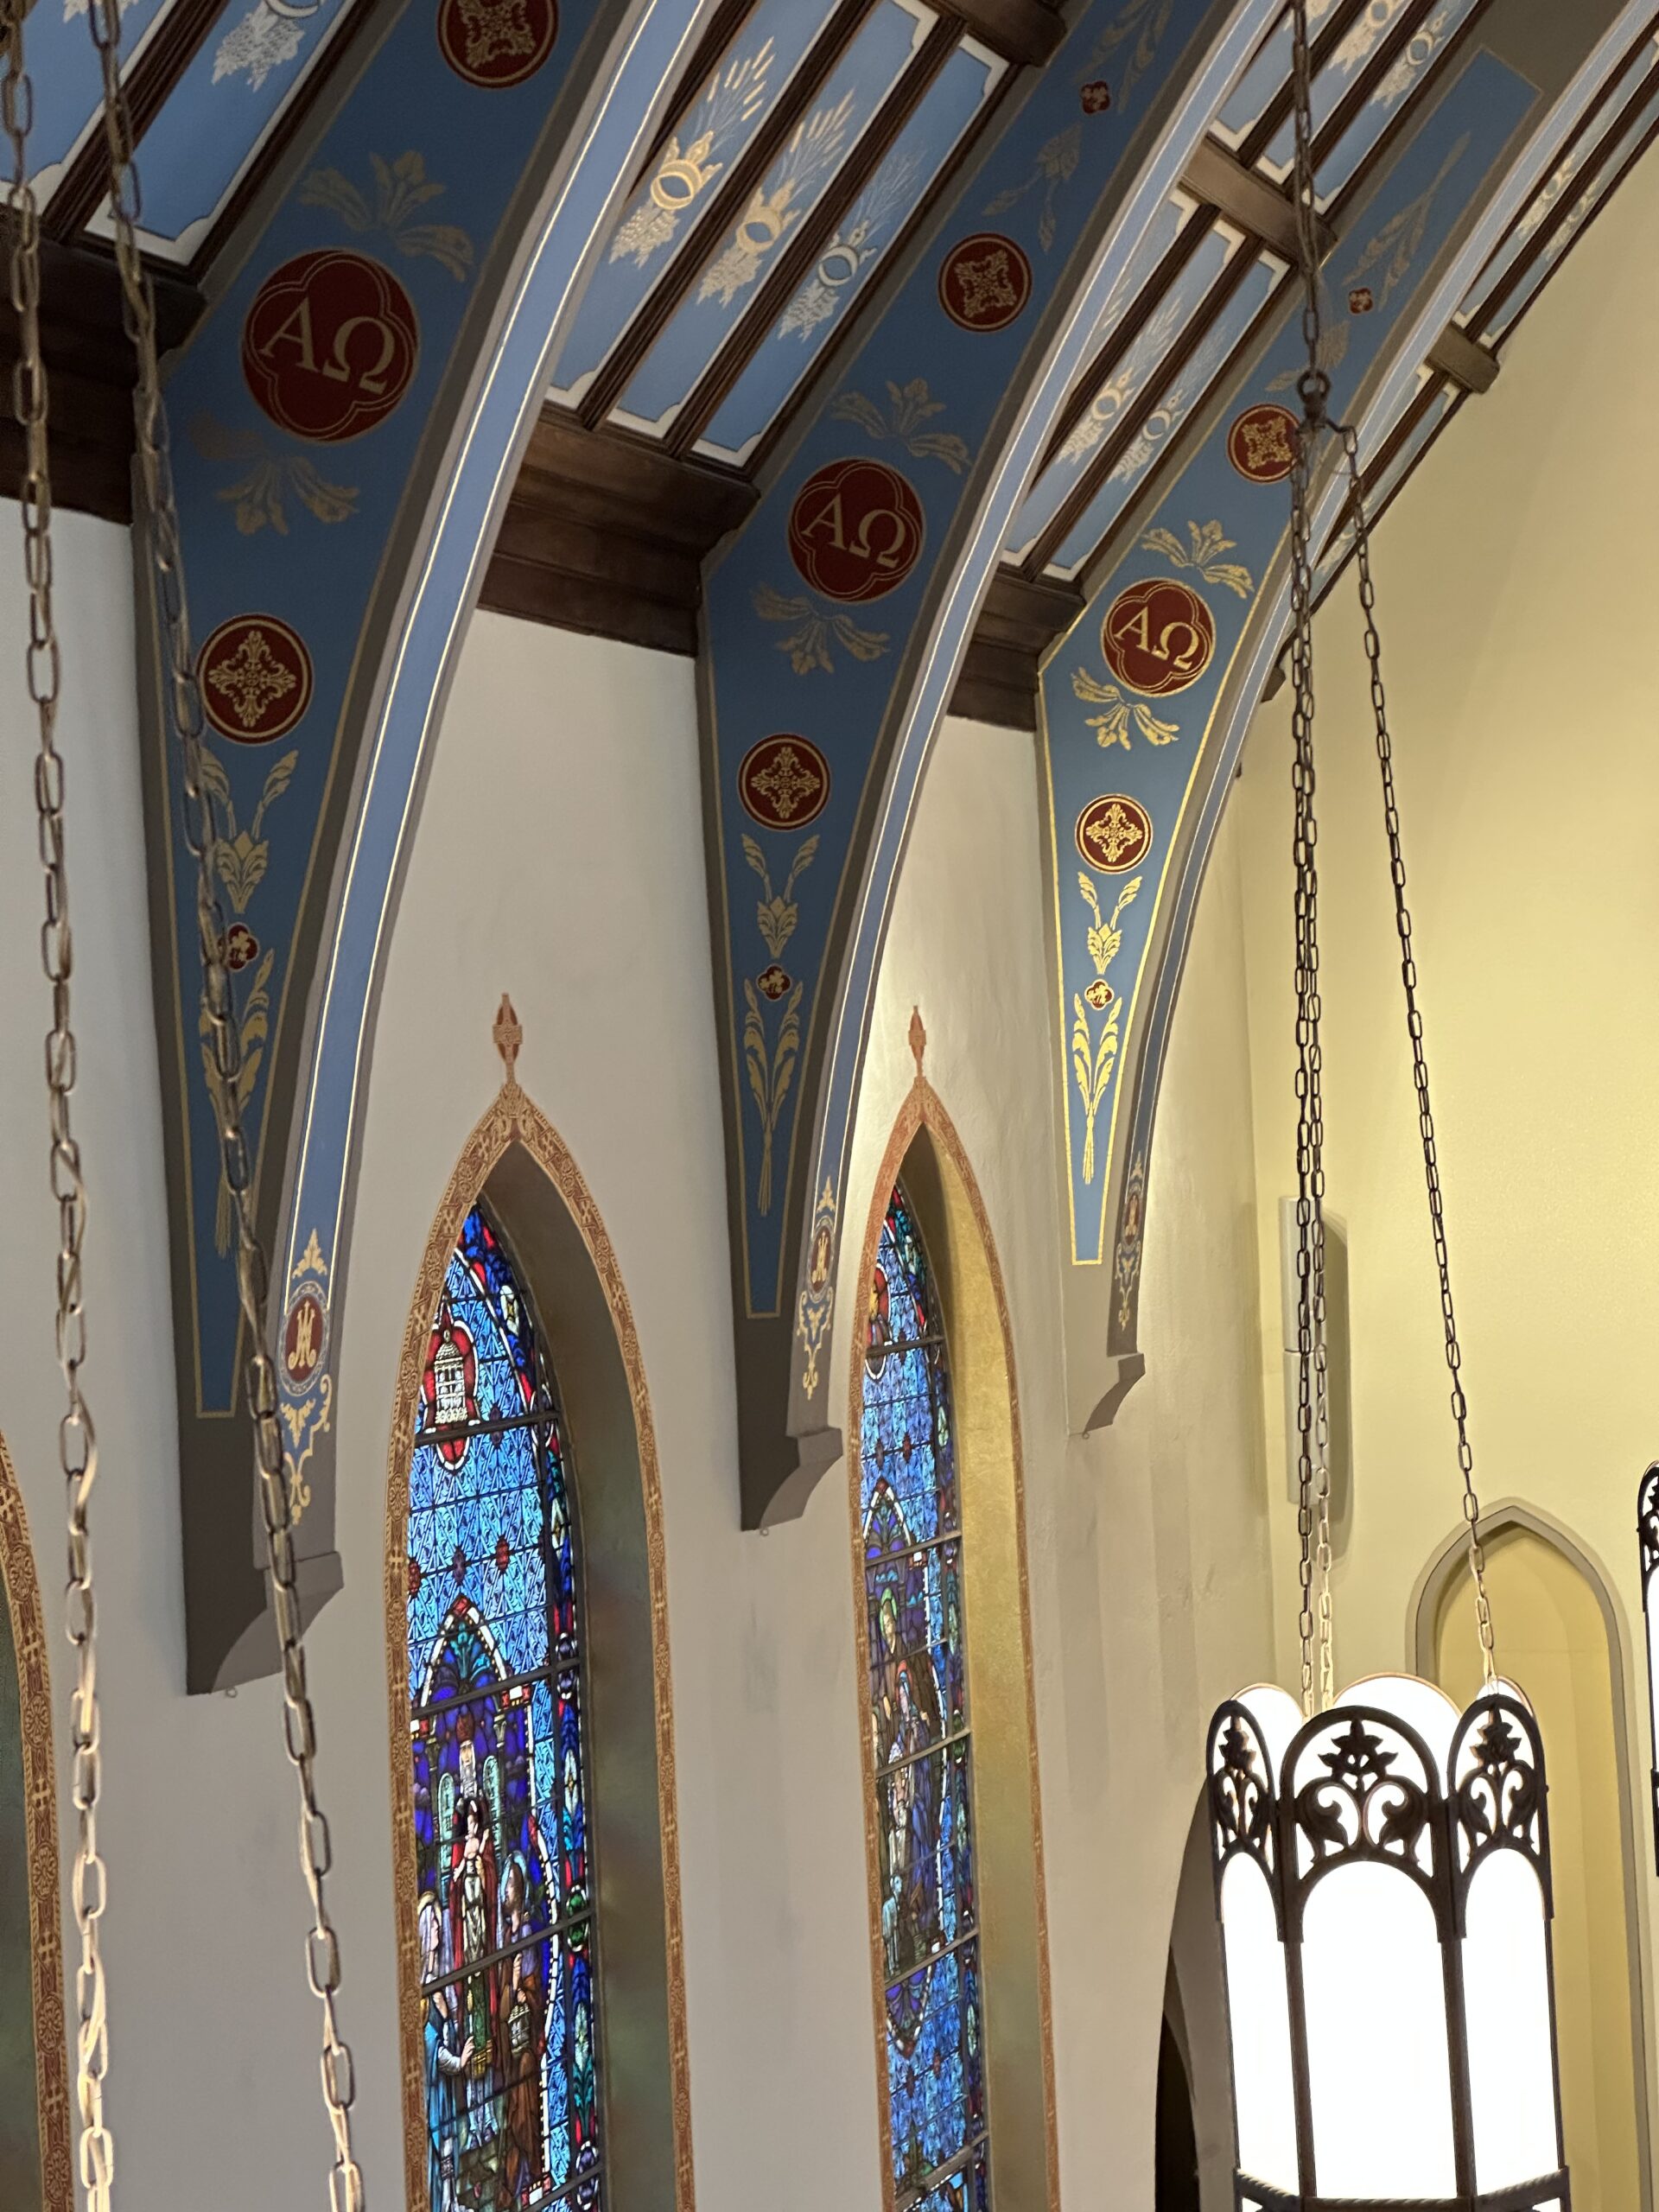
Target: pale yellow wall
x,y
1555,1644
1518,583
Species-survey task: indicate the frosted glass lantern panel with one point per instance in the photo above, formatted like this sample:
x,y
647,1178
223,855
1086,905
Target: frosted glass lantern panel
x,y
1379,2070
1263,2084
1506,2003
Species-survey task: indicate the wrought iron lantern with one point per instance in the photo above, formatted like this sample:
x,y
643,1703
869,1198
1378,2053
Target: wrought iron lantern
x,y
1382,1861
1647,1530
1382,1881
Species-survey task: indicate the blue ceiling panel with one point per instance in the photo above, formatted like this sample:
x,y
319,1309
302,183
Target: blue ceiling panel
x,y
710,134
1125,388
1262,82
850,260
840,112
220,110
1187,391
1406,76
64,66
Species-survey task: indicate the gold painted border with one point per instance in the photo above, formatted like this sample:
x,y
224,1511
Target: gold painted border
x,y
514,1119
23,1595
923,1109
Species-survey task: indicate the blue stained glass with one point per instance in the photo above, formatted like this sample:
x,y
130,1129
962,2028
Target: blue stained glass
x,y
499,1761
911,1524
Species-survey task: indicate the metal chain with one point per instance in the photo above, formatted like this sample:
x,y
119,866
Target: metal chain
x,y
219,1021
1419,1062
1312,1413
77,1443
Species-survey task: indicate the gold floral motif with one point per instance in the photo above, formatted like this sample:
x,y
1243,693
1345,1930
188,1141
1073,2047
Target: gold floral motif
x,y
256,497
1205,542
1056,164
20,1593
514,1119
254,1027
777,914
1093,1057
1140,25
243,856
771,1071
812,153
909,406
304,1433
1113,726
987,285
401,187
808,642
816,1302
494,31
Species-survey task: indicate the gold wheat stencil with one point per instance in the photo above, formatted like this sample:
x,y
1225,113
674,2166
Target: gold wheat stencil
x,y
1094,1057
254,1027
777,913
770,1074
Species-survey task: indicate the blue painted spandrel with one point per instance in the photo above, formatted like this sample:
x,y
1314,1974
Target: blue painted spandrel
x,y
851,260
711,133
804,169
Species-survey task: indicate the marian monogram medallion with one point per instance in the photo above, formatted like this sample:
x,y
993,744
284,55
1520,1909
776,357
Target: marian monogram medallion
x,y
855,530
784,782
1113,834
984,282
255,675
495,43
1158,636
330,344
1262,444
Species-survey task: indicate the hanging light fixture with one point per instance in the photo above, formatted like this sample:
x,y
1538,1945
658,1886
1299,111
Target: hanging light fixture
x,y
1382,1861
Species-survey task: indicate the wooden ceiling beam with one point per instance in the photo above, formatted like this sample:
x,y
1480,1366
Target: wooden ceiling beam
x,y
1026,31
1247,201
1455,354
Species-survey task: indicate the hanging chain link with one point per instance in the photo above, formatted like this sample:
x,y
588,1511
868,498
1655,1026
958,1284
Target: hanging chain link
x,y
1313,1404
77,1443
225,1084
1419,1062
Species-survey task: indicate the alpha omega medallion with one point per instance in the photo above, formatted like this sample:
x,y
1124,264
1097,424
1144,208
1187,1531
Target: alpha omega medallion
x,y
330,344
855,530
255,675
1158,636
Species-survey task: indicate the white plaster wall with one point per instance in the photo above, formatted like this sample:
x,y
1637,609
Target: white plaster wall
x,y
559,857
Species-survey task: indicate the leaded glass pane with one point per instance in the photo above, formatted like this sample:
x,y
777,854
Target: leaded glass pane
x,y
918,1720
496,1738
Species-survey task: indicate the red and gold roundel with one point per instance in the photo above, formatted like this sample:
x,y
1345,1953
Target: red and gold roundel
x,y
330,344
984,282
305,1339
1113,833
1158,636
855,530
255,675
784,782
495,43
1262,444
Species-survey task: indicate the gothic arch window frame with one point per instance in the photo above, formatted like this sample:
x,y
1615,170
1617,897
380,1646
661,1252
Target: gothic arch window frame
x,y
21,1594
926,1157
518,1168
1446,1563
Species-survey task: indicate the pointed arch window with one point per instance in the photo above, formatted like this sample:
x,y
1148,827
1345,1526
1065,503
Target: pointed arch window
x,y
497,1709
910,1522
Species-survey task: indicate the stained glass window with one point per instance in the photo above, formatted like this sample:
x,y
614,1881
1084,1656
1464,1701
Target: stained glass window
x,y
497,1720
912,1523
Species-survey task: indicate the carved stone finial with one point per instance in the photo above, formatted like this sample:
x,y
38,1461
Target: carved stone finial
x,y
509,1036
917,1038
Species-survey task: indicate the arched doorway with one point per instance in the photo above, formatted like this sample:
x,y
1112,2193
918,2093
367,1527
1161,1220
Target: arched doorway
x,y
1558,1638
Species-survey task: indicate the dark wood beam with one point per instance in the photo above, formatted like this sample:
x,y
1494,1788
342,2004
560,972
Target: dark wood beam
x,y
1455,354
1025,30
85,185
1249,200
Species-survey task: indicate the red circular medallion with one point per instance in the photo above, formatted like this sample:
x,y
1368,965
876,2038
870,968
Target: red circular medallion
x,y
1262,444
1158,636
495,43
784,782
855,530
255,675
305,1336
330,344
1113,833
984,282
